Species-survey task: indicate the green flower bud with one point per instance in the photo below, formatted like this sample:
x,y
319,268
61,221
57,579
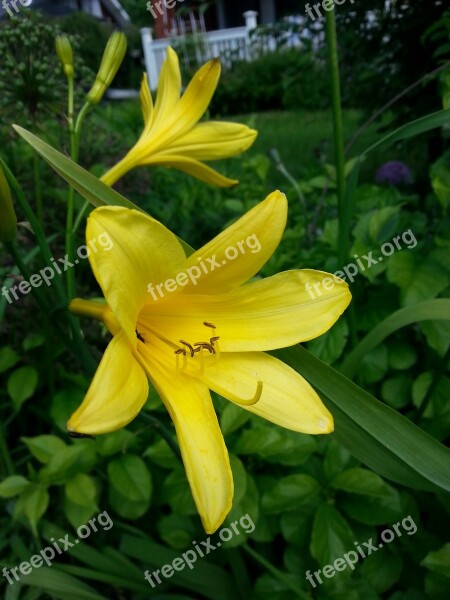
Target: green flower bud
x,y
112,59
8,219
65,55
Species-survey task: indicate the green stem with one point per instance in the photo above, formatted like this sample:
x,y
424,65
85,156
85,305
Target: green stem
x,y
276,572
4,451
75,131
333,60
37,187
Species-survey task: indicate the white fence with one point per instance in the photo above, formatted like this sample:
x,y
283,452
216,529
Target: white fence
x,y
200,45
223,43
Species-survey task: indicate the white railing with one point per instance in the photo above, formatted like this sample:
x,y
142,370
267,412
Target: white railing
x,y
199,45
226,43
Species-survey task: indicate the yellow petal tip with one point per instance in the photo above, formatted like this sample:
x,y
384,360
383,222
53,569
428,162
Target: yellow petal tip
x,y
326,424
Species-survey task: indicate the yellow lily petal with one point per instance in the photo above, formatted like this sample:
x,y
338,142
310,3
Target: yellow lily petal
x,y
116,395
192,105
271,313
169,88
214,140
142,250
146,102
264,224
287,399
191,167
202,446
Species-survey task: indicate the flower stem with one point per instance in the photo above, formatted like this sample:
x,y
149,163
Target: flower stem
x,y
75,131
333,60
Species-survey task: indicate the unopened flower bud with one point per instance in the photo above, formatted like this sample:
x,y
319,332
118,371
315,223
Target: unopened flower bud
x,y
65,55
8,219
112,59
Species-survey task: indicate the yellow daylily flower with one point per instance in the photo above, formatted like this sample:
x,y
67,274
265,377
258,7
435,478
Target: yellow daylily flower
x,y
172,135
190,325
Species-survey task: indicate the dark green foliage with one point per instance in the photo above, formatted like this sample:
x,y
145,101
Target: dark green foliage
x,y
288,78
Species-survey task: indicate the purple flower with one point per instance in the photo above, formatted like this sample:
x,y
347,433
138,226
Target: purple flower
x,y
394,172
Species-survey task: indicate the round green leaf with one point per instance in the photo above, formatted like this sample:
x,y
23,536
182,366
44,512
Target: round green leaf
x,y
22,384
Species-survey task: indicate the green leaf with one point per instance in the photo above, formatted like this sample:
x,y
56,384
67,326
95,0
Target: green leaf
x,y
438,561
206,579
130,486
336,459
437,334
329,346
431,310
35,340
419,279
289,493
247,508
432,121
35,502
60,585
113,443
402,356
175,492
374,365
296,526
276,445
232,418
64,403
331,536
44,447
382,571
91,188
361,481
162,454
383,224
80,500
8,358
13,486
129,475
22,384
61,467
439,397
177,531
374,510
396,391
440,180
377,435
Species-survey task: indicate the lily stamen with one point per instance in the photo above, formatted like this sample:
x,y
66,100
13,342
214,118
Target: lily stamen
x,y
191,349
178,352
208,347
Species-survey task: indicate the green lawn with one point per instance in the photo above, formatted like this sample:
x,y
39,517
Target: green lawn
x,y
304,139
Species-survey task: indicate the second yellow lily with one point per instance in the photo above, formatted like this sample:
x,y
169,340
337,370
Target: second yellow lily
x,y
172,135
